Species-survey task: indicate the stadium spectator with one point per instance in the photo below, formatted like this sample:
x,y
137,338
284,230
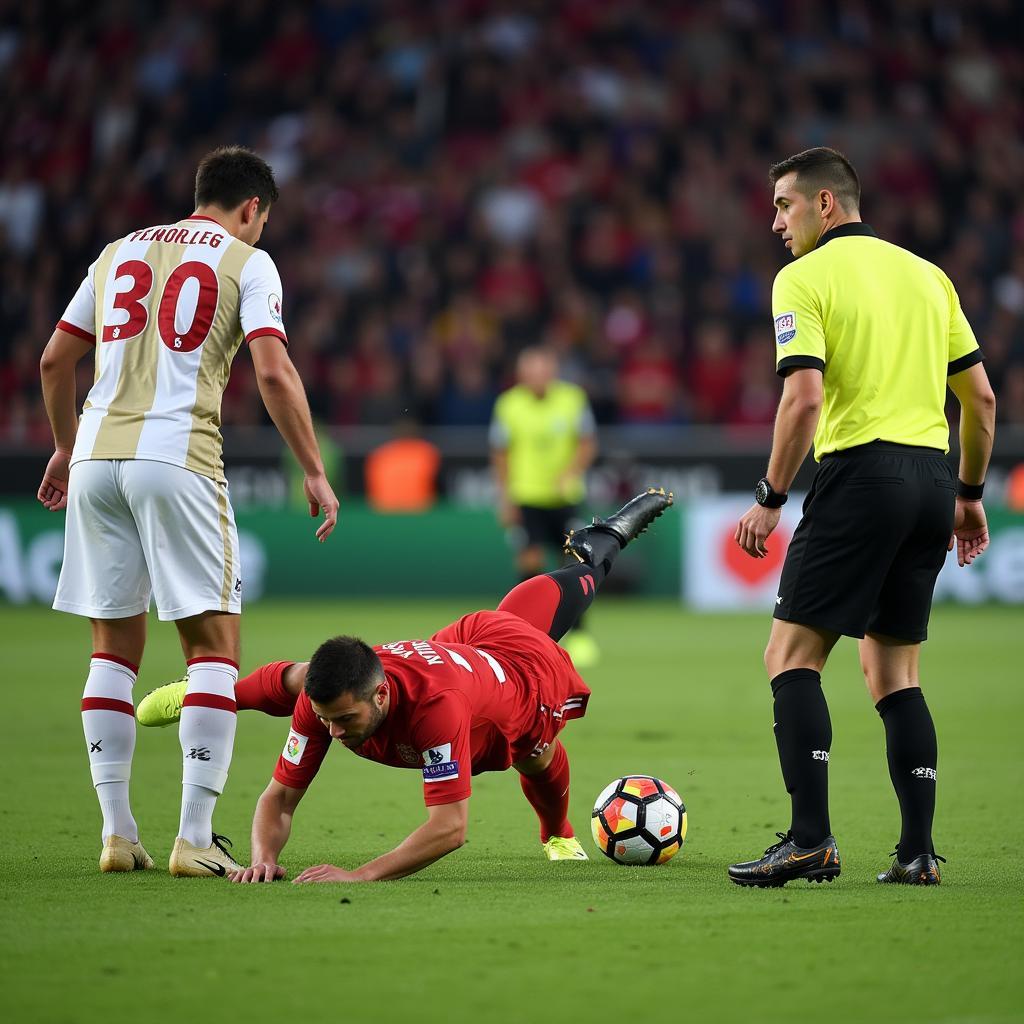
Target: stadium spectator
x,y
516,155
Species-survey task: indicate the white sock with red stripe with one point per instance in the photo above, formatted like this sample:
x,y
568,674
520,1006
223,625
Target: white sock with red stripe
x,y
108,720
207,736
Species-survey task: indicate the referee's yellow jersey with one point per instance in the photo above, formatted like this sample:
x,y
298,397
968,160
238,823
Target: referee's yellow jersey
x,y
884,326
541,435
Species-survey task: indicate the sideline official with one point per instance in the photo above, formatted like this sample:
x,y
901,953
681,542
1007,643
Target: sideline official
x,y
867,338
543,439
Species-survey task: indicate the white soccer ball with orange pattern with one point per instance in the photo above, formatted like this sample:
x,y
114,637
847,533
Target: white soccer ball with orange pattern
x,y
639,820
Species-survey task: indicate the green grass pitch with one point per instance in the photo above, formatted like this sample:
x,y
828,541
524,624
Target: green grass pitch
x,y
494,932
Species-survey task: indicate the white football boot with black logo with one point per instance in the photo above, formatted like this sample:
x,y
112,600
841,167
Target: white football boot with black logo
x,y
123,855
188,861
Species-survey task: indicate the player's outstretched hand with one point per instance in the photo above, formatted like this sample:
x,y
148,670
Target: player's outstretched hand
x,y
321,498
754,529
326,873
53,491
970,531
259,873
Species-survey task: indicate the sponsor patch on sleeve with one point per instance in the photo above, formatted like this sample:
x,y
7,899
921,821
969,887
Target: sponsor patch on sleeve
x,y
438,764
785,328
294,747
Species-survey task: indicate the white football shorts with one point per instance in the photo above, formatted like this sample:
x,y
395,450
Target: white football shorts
x,y
137,528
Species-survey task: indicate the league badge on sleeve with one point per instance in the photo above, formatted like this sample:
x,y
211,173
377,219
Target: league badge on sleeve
x,y
785,328
294,747
438,764
274,302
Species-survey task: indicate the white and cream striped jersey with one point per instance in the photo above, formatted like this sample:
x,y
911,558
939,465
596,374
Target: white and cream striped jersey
x,y
167,308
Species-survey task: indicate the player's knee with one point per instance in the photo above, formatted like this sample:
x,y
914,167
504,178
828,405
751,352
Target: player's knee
x,y
774,658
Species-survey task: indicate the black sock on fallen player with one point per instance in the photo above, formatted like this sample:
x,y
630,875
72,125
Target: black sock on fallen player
x,y
579,585
803,734
605,546
912,752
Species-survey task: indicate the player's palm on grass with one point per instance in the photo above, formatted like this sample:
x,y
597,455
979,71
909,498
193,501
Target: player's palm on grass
x,y
970,531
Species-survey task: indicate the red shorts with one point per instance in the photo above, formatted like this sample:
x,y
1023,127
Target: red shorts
x,y
553,692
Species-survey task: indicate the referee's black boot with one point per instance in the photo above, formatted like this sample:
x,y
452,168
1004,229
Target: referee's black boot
x,y
603,539
923,870
785,861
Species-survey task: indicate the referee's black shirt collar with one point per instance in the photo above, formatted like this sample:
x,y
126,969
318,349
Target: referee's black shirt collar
x,y
846,231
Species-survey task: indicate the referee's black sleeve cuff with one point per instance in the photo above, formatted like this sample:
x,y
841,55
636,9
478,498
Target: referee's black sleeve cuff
x,y
799,363
964,362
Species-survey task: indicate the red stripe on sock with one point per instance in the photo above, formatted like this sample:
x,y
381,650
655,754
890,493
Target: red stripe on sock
x,y
116,660
215,661
108,704
209,700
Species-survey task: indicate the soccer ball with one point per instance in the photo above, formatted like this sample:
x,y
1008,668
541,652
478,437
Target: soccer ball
x,y
639,820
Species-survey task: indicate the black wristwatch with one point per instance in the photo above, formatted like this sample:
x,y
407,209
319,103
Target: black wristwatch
x,y
766,497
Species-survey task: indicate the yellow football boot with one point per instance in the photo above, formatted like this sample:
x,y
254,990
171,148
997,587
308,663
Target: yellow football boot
x,y
559,848
162,706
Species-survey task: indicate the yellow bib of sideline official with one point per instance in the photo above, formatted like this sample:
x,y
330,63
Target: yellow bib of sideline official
x,y
884,326
541,435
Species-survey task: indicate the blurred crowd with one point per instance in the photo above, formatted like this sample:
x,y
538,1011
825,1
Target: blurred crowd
x,y
462,178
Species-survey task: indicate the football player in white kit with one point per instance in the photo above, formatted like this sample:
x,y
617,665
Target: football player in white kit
x,y
141,476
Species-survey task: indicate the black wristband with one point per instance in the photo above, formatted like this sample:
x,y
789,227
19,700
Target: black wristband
x,y
969,492
767,497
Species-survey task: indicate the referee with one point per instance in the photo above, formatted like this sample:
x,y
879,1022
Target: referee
x,y
867,338
543,439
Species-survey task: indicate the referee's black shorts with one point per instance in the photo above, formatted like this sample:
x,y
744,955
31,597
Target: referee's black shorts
x,y
873,537
547,527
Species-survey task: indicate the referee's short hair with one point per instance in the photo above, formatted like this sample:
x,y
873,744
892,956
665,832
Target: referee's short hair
x,y
820,168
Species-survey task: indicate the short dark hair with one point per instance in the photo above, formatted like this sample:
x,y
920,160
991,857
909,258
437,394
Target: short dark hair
x,y
820,168
343,664
230,175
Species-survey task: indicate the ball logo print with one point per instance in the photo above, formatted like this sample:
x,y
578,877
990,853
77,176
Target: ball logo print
x,y
639,820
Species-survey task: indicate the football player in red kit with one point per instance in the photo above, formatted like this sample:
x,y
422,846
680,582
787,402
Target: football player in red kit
x,y
488,692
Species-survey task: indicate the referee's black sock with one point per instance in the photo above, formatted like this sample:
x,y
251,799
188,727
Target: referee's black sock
x,y
912,751
803,733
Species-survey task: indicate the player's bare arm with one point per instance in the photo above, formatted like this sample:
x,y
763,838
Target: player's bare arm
x,y
271,827
795,423
442,832
508,514
977,432
57,370
586,452
285,399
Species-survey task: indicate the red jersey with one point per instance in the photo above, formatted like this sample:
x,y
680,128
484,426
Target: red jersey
x,y
482,693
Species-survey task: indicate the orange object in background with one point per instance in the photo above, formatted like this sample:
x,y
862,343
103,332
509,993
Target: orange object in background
x,y
401,475
1015,489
